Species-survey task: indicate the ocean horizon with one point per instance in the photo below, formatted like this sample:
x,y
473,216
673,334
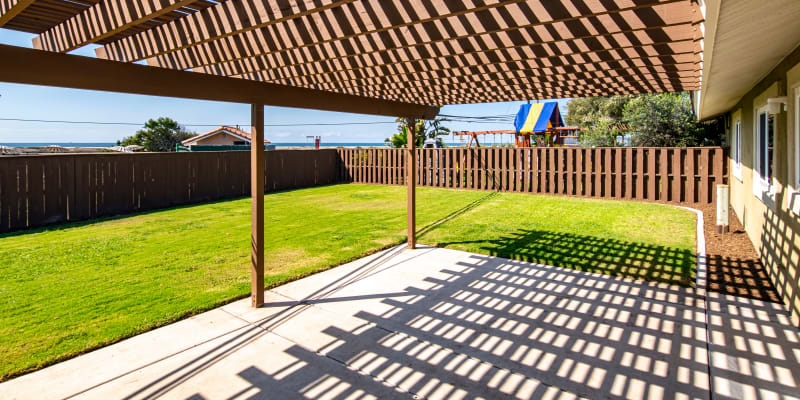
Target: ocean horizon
x,y
109,144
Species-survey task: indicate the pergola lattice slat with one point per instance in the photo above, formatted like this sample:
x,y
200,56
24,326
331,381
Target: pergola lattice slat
x,y
103,20
490,92
222,20
432,52
11,8
537,55
660,24
513,67
648,81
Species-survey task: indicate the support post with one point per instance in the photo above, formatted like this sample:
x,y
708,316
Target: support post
x,y
257,205
411,174
723,202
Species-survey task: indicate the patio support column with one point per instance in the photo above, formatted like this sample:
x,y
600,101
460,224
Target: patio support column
x,y
411,174
257,205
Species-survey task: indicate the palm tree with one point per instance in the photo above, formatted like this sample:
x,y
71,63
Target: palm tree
x,y
425,130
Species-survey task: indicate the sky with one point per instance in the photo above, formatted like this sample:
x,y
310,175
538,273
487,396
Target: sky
x,y
57,104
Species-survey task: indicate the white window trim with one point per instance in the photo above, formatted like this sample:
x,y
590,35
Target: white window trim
x,y
797,138
761,186
737,149
794,194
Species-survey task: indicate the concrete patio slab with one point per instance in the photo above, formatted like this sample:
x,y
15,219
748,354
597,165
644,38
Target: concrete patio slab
x,y
109,363
437,323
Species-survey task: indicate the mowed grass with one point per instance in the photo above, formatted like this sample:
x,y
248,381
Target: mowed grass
x,y
72,288
636,240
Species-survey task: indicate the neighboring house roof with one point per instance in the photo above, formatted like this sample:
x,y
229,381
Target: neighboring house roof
x,y
236,132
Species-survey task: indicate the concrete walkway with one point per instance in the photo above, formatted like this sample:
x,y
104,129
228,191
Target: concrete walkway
x,y
437,323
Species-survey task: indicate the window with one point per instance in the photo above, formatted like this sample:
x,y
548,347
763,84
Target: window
x,y
737,150
765,141
797,138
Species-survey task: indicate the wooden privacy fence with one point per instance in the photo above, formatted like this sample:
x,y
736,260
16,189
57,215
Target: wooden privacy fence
x,y
48,189
641,173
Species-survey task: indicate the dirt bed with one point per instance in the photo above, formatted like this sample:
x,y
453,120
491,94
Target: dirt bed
x,y
733,264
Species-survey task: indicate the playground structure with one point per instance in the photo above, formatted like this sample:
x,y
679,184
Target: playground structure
x,y
564,136
317,140
540,121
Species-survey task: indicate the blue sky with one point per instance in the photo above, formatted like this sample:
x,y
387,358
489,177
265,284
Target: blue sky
x,y
46,103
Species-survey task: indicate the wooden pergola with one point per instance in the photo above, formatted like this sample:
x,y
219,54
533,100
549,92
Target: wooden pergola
x,y
384,57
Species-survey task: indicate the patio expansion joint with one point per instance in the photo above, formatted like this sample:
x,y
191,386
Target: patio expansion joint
x,y
305,304
702,290
154,362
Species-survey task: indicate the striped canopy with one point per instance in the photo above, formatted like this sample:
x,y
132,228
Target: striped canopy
x,y
537,117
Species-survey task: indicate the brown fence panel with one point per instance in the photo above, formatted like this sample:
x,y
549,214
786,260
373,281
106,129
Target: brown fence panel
x,y
13,178
43,190
649,174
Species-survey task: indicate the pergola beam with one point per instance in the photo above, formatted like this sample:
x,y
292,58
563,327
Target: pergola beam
x,y
35,67
102,20
11,8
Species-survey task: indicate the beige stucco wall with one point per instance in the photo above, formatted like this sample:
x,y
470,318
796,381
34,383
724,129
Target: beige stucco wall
x,y
772,225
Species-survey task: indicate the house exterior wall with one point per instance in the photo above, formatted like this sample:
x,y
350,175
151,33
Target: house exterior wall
x,y
771,222
218,139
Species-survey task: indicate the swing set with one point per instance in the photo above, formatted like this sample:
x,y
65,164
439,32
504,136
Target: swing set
x,y
540,121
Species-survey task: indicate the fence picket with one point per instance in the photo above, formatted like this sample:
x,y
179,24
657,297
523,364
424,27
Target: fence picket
x,y
639,154
691,181
719,165
608,178
663,172
651,174
703,171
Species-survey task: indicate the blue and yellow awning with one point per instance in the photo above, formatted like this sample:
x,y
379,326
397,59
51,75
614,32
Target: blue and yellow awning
x,y
537,117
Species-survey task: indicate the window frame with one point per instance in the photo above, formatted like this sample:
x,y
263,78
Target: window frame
x,y
761,185
797,138
737,149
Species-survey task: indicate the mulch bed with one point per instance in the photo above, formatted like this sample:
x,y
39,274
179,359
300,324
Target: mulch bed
x,y
733,265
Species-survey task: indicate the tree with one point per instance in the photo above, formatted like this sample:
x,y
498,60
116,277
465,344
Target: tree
x,y
159,135
603,133
400,139
586,112
663,120
435,128
425,130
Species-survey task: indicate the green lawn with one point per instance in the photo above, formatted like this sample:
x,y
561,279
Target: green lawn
x,y
68,289
636,240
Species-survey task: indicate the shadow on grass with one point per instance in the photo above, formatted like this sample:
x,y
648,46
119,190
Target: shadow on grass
x,y
591,254
455,214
